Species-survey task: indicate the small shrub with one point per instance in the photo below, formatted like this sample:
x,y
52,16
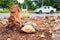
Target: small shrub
x,y
25,14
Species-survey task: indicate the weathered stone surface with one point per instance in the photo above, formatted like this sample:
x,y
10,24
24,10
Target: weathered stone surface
x,y
28,29
5,21
14,19
58,17
1,25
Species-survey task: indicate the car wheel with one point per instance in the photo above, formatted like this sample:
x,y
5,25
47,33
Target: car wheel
x,y
51,11
37,12
40,12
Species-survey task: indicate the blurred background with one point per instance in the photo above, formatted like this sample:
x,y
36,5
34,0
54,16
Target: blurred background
x,y
29,5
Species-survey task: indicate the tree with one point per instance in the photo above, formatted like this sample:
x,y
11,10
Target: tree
x,y
28,3
47,2
54,3
39,3
7,3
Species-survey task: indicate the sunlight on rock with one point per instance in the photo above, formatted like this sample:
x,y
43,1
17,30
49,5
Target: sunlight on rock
x,y
28,29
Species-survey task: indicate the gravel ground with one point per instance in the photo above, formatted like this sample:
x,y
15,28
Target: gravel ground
x,y
16,35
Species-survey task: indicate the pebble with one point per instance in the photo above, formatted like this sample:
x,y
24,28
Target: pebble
x,y
9,39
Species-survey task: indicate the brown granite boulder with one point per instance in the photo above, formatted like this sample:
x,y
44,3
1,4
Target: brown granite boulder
x,y
14,19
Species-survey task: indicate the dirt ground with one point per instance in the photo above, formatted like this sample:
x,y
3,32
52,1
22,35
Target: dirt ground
x,y
9,34
16,35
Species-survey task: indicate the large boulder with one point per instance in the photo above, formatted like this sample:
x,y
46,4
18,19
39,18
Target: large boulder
x,y
14,19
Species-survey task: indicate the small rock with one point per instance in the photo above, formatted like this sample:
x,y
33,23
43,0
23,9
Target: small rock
x,y
1,25
9,39
28,29
34,24
58,20
4,22
42,35
28,23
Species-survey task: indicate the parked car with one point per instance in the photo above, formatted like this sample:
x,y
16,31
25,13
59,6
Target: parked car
x,y
45,9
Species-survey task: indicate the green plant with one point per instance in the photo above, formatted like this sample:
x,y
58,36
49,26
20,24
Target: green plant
x,y
25,14
5,11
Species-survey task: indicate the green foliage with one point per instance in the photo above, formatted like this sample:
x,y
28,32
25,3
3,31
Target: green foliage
x,y
54,3
47,2
7,3
5,11
27,3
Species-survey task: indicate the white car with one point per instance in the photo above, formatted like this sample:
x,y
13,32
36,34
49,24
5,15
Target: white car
x,y
45,9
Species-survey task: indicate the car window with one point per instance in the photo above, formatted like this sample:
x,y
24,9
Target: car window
x,y
48,7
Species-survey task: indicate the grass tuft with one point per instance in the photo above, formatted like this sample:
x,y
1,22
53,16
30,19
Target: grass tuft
x,y
25,14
